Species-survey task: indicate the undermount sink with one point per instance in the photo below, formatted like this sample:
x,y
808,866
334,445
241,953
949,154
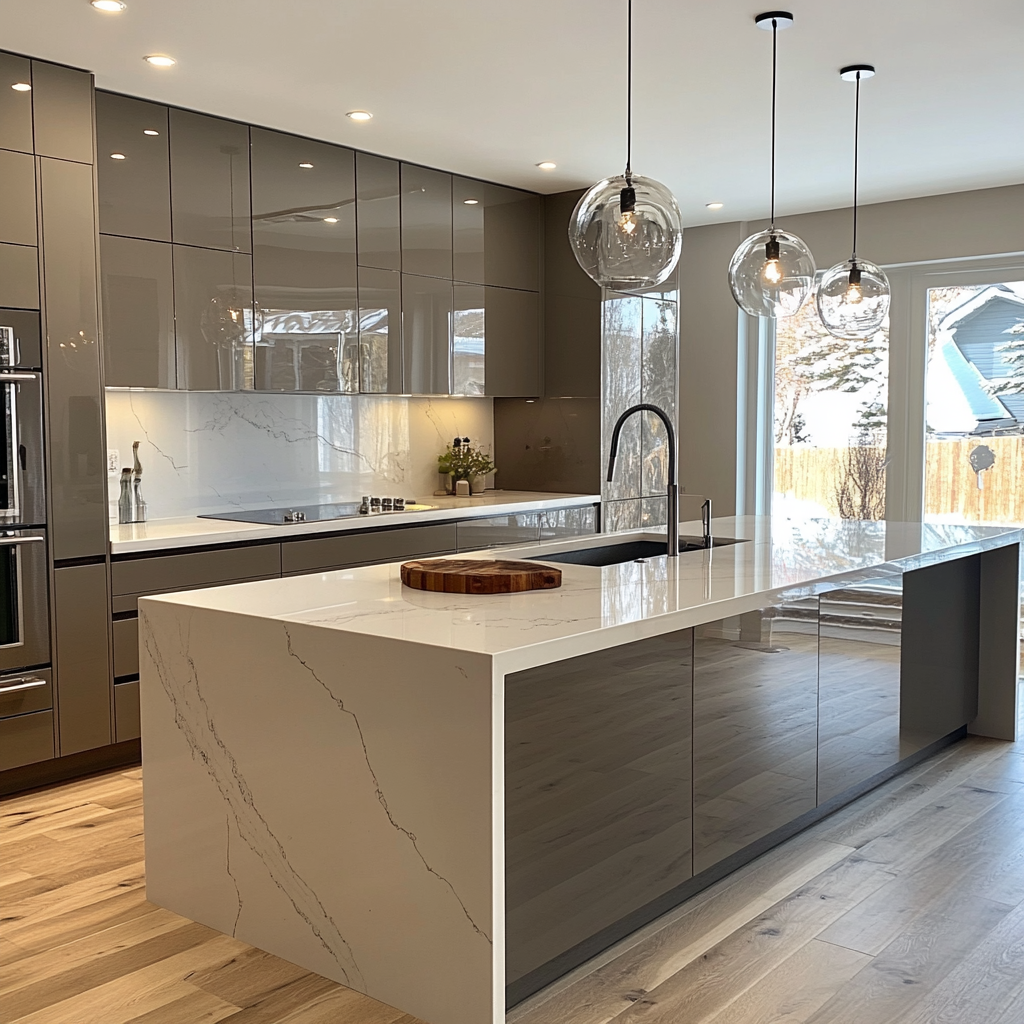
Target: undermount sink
x,y
629,551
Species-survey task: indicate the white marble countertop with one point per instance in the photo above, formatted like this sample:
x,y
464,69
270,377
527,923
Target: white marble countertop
x,y
192,531
596,608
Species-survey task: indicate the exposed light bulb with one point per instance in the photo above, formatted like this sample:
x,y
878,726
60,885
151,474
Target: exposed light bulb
x,y
772,271
627,222
854,293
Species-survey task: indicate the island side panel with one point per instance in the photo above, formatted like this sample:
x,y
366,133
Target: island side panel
x,y
326,796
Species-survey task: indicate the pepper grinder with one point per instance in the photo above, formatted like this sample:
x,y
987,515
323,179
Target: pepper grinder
x,y
137,500
124,502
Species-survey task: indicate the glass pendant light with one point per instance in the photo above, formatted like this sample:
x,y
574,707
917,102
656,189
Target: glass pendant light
x,y
626,232
853,297
772,273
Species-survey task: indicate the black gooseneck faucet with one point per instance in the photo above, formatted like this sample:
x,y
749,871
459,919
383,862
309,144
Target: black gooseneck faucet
x,y
673,485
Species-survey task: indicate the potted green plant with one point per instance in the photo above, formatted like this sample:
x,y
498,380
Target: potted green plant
x,y
465,461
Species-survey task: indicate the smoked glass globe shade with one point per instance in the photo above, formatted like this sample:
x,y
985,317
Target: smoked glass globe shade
x,y
853,299
772,274
627,249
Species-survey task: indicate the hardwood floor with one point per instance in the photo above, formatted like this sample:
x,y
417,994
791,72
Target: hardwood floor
x,y
906,907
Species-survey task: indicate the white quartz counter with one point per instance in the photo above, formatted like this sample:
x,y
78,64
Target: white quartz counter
x,y
192,531
596,608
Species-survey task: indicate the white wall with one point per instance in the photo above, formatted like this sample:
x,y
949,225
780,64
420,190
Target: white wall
x,y
947,227
212,451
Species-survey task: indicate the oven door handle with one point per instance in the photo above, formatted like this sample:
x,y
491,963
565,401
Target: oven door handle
x,y
17,376
10,541
25,683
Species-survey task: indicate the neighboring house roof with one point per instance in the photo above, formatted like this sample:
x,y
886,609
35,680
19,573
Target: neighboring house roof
x,y
987,410
977,328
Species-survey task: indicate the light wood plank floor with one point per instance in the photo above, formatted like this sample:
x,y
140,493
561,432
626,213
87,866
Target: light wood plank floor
x,y
905,908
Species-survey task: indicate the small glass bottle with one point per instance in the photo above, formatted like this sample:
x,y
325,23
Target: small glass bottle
x,y
124,502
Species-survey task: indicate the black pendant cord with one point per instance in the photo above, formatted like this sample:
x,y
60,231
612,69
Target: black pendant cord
x,y
856,164
775,64
629,91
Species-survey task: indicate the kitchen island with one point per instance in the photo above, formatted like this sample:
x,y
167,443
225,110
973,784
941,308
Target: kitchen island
x,y
447,801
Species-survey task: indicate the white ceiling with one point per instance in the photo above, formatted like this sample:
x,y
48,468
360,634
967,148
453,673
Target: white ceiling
x,y
488,88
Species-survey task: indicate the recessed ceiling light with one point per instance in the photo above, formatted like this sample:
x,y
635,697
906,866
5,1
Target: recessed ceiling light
x,y
111,6
117,156
471,202
21,87
306,165
359,115
150,131
547,165
330,220
714,206
160,60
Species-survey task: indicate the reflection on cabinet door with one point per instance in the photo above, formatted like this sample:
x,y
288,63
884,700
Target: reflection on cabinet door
x,y
213,318
859,684
15,105
378,212
426,326
133,167
17,198
380,331
597,795
426,222
209,181
496,235
755,717
469,340
138,314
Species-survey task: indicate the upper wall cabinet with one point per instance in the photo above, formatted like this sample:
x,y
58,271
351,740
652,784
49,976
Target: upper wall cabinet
x,y
209,181
380,331
426,334
496,342
62,113
426,222
133,169
17,198
496,235
378,212
15,105
304,264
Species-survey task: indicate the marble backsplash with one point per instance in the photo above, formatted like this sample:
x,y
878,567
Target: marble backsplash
x,y
214,451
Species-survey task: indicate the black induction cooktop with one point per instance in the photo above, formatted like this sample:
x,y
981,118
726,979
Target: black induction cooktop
x,y
303,514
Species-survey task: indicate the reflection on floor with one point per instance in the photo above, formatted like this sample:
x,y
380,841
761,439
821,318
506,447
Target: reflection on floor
x,y
907,906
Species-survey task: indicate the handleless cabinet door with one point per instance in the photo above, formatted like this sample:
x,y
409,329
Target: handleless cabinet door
x,y
209,181
755,718
17,198
19,276
304,264
598,800
470,326
138,313
62,113
426,222
133,167
426,334
213,319
496,235
15,104
378,212
380,331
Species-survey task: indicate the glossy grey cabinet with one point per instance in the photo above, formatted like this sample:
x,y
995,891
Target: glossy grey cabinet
x,y
213,316
426,222
496,234
755,718
380,331
209,181
496,348
598,777
304,264
19,276
138,312
15,106
426,334
133,167
17,198
62,113
378,212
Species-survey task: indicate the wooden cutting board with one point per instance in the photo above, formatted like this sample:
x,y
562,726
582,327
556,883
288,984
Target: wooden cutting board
x,y
479,576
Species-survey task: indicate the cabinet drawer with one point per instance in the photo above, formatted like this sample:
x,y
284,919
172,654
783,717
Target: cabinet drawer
x,y
126,711
367,548
194,569
21,693
26,739
126,647
520,528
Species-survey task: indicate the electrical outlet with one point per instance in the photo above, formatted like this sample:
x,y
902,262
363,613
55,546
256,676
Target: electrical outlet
x,y
113,462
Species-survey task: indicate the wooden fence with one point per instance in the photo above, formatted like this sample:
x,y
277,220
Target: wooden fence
x,y
951,486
